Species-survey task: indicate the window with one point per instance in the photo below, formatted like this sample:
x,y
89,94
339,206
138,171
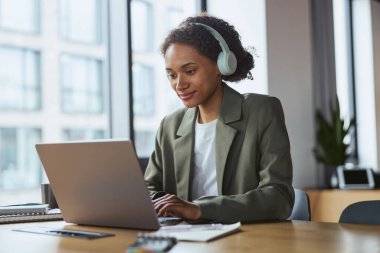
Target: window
x,y
72,85
82,134
19,79
145,144
343,61
52,88
20,19
19,164
81,21
365,34
153,96
343,67
142,18
82,89
174,17
143,92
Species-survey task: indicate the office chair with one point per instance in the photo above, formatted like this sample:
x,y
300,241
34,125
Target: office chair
x,y
363,212
301,208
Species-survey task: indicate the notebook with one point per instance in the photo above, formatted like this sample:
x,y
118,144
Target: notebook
x,y
99,183
23,209
50,215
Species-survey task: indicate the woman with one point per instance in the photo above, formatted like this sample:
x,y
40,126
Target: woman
x,y
226,156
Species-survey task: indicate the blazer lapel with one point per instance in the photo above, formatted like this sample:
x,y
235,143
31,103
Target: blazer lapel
x,y
183,153
225,134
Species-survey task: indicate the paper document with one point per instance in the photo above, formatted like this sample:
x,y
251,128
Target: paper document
x,y
198,232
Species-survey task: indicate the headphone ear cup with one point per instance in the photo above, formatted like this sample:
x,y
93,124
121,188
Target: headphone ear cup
x,y
227,63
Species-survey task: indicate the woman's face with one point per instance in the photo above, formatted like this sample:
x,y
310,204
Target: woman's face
x,y
194,77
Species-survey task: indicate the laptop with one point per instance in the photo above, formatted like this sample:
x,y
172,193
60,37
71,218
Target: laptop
x,y
99,183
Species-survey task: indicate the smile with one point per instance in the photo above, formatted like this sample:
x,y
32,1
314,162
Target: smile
x,y
186,96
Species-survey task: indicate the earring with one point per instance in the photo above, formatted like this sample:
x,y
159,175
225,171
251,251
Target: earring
x,y
249,75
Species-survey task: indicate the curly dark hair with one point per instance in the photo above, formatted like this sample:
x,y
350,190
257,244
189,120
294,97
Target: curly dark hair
x,y
205,43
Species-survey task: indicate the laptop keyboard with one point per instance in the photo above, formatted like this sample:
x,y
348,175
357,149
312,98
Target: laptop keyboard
x,y
167,221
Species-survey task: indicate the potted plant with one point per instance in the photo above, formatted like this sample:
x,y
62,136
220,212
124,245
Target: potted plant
x,y
332,142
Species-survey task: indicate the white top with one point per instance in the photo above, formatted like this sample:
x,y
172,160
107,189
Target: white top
x,y
204,175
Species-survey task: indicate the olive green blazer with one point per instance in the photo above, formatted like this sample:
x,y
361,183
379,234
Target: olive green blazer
x,y
253,162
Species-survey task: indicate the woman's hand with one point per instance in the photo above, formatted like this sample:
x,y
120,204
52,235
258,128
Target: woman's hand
x,y
171,205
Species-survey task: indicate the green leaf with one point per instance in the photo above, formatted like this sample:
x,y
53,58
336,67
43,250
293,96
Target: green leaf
x,y
330,136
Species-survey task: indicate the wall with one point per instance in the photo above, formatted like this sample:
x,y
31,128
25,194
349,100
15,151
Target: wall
x,y
290,79
281,33
248,17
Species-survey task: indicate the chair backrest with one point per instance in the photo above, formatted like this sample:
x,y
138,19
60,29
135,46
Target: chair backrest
x,y
301,208
363,212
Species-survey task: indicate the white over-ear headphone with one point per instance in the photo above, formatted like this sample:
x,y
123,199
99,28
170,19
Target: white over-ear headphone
x,y
227,62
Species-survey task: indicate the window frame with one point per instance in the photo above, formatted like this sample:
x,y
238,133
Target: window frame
x,y
120,69
352,89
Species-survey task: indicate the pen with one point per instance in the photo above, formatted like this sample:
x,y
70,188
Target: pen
x,y
213,226
77,233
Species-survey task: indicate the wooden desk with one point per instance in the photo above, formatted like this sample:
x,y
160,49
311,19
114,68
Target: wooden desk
x,y
327,205
296,236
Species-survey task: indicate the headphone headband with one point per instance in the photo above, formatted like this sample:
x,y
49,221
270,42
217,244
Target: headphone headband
x,y
227,62
217,36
